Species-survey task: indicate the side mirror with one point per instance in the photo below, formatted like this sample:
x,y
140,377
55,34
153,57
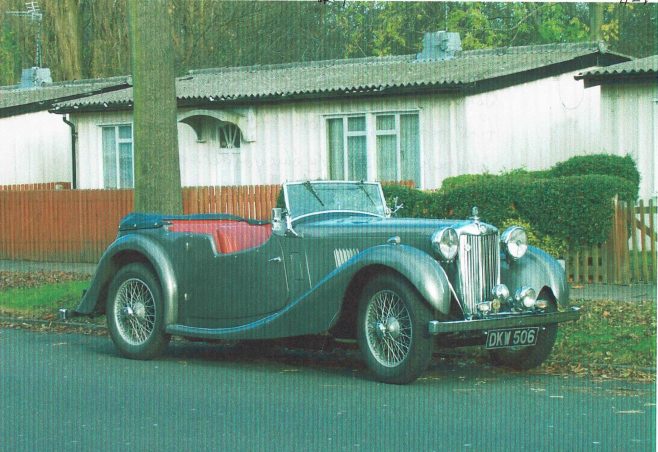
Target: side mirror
x,y
279,224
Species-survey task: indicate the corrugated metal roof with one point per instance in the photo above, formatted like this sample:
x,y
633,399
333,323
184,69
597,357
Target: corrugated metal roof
x,y
13,98
362,75
648,65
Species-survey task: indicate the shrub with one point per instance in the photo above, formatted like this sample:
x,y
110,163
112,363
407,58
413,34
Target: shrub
x,y
603,164
414,201
570,203
450,183
577,209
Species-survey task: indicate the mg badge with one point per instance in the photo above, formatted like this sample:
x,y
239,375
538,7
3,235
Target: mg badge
x,y
483,229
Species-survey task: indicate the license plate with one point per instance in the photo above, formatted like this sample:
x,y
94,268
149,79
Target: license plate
x,y
512,337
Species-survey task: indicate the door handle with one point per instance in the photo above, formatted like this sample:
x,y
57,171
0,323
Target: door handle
x,y
276,259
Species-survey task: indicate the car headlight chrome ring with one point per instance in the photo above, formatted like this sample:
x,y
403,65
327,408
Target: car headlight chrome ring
x,y
515,241
445,243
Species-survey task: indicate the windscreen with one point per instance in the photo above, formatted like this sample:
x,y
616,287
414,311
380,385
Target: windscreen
x,y
313,197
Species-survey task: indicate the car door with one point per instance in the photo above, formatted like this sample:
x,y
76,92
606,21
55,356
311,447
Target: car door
x,y
225,290
296,265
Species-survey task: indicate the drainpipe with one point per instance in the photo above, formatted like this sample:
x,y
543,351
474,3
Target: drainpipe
x,y
74,137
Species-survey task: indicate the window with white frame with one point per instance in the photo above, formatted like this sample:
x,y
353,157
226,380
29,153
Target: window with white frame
x,y
347,148
118,171
382,146
398,147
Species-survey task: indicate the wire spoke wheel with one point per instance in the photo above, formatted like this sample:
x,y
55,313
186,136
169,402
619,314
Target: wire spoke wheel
x,y
392,329
135,311
388,328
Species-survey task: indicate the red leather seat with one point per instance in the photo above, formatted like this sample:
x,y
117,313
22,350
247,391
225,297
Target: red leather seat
x,y
230,236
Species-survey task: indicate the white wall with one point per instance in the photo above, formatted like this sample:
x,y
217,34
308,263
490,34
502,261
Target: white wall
x,y
34,148
629,116
533,125
89,146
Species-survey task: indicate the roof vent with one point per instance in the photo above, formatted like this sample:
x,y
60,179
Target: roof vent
x,y
35,77
440,45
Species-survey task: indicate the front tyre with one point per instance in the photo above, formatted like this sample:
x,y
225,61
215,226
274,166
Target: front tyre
x,y
393,330
135,313
524,358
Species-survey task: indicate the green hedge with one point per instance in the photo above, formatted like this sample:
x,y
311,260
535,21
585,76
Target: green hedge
x,y
587,165
414,201
571,202
612,165
577,209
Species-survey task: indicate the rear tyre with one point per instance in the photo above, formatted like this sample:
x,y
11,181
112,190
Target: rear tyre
x,y
392,330
135,313
524,358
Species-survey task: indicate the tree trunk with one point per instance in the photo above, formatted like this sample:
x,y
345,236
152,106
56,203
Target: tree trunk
x,y
595,21
67,25
157,170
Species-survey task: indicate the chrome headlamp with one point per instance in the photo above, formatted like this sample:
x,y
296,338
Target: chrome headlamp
x,y
445,243
515,241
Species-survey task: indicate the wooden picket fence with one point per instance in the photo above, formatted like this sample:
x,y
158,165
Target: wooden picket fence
x,y
629,254
77,225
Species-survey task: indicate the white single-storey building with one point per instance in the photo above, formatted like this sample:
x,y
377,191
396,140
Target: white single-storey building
x,y
35,145
414,117
629,114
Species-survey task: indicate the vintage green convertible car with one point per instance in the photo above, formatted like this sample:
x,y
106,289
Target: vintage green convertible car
x,y
335,260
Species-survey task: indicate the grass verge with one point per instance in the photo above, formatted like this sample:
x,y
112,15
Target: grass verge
x,y
611,338
41,302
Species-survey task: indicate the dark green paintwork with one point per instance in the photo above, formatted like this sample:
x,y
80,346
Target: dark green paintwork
x,y
291,285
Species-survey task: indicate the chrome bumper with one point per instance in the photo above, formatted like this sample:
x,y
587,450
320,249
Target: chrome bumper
x,y
507,321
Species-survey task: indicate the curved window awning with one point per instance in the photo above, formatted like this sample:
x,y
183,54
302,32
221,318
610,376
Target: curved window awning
x,y
201,119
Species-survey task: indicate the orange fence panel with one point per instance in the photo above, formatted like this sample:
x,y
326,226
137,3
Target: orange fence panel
x,y
77,225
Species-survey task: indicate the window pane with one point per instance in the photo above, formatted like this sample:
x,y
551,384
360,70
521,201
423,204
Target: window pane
x,y
125,133
356,124
229,136
109,158
387,165
386,122
126,165
357,162
410,148
336,151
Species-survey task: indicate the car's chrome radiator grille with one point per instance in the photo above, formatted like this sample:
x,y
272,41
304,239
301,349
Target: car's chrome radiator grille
x,y
479,264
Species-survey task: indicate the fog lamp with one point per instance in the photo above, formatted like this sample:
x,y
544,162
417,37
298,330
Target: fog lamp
x,y
541,304
484,307
525,297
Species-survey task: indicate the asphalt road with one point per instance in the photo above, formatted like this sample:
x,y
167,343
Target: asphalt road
x,y
73,392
